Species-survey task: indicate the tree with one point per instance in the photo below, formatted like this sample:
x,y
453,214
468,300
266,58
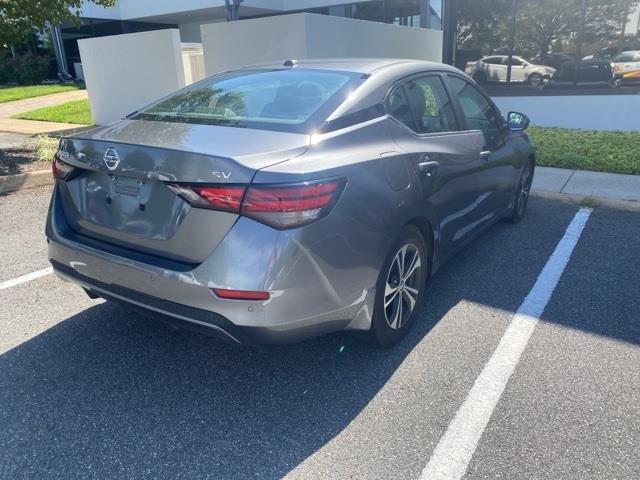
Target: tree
x,y
482,24
543,23
20,18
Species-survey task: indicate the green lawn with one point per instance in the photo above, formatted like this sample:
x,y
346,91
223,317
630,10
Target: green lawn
x,y
71,112
9,94
616,152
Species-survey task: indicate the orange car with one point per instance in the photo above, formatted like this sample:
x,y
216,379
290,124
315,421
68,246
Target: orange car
x,y
626,66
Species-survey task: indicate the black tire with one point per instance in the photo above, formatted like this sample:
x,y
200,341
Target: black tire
x,y
383,332
521,199
480,78
536,79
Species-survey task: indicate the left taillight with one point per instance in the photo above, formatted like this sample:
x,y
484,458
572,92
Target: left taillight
x,y
281,206
60,169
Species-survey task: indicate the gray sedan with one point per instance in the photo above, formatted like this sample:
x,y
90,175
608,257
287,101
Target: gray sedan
x,y
283,201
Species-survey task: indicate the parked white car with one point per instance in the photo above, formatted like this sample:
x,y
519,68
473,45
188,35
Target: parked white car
x,y
494,69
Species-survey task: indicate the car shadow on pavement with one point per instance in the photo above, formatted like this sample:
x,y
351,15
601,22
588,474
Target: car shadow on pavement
x,y
110,394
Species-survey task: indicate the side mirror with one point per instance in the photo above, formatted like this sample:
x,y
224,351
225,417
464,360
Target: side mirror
x,y
517,121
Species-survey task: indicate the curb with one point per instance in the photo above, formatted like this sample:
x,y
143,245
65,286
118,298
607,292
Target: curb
x,y
588,200
22,181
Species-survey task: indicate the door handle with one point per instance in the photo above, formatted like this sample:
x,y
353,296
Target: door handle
x,y
428,167
485,155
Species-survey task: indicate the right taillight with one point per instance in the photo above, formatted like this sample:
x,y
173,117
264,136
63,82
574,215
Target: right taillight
x,y
280,206
60,169
288,206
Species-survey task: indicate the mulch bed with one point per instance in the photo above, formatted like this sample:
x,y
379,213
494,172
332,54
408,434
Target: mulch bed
x,y
20,159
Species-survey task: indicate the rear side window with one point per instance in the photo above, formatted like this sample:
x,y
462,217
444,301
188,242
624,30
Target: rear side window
x,y
423,105
479,113
287,99
516,62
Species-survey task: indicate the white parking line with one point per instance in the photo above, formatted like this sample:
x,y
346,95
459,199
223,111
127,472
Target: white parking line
x,y
26,278
453,453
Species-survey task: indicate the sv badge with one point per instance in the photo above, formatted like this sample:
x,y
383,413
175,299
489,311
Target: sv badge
x,y
222,175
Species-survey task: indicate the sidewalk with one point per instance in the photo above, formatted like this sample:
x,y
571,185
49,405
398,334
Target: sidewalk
x,y
613,186
32,127
9,109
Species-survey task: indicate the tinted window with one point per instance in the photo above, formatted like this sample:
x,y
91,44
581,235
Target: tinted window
x,y
431,105
514,62
493,60
271,99
479,113
399,108
424,106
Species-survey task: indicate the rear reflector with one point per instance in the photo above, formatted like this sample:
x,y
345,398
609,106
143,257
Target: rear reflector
x,y
280,206
240,294
60,169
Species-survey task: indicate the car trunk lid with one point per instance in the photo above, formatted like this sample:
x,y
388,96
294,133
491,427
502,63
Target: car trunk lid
x,y
121,196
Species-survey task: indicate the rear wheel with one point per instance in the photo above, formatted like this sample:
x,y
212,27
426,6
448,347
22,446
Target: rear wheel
x,y
400,288
522,194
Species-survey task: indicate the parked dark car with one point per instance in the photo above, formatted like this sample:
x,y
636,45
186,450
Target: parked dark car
x,y
591,74
554,60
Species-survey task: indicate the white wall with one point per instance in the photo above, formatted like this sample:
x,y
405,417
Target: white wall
x,y
125,72
231,45
345,37
589,112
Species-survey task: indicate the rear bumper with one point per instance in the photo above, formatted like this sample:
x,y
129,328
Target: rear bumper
x,y
197,319
303,299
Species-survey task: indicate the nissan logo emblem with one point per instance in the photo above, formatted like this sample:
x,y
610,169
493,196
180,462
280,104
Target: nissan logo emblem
x,y
111,158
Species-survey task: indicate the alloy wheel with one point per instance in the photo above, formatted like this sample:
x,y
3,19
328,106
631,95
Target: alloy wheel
x,y
402,286
525,188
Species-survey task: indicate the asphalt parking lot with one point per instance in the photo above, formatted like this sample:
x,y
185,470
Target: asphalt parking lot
x,y
89,390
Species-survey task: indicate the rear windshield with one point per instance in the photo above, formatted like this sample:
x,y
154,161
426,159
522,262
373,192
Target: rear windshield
x,y
294,100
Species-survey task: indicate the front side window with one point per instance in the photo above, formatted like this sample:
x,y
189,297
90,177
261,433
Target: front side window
x,y
479,113
288,100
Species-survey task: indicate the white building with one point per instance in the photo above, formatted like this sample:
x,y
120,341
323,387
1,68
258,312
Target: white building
x,y
129,16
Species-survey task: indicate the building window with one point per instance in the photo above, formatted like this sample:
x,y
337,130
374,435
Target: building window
x,y
435,14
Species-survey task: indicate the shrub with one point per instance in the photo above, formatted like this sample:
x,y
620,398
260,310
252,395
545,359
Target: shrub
x,y
31,68
46,147
26,69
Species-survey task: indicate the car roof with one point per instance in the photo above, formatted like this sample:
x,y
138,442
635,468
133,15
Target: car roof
x,y
358,65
